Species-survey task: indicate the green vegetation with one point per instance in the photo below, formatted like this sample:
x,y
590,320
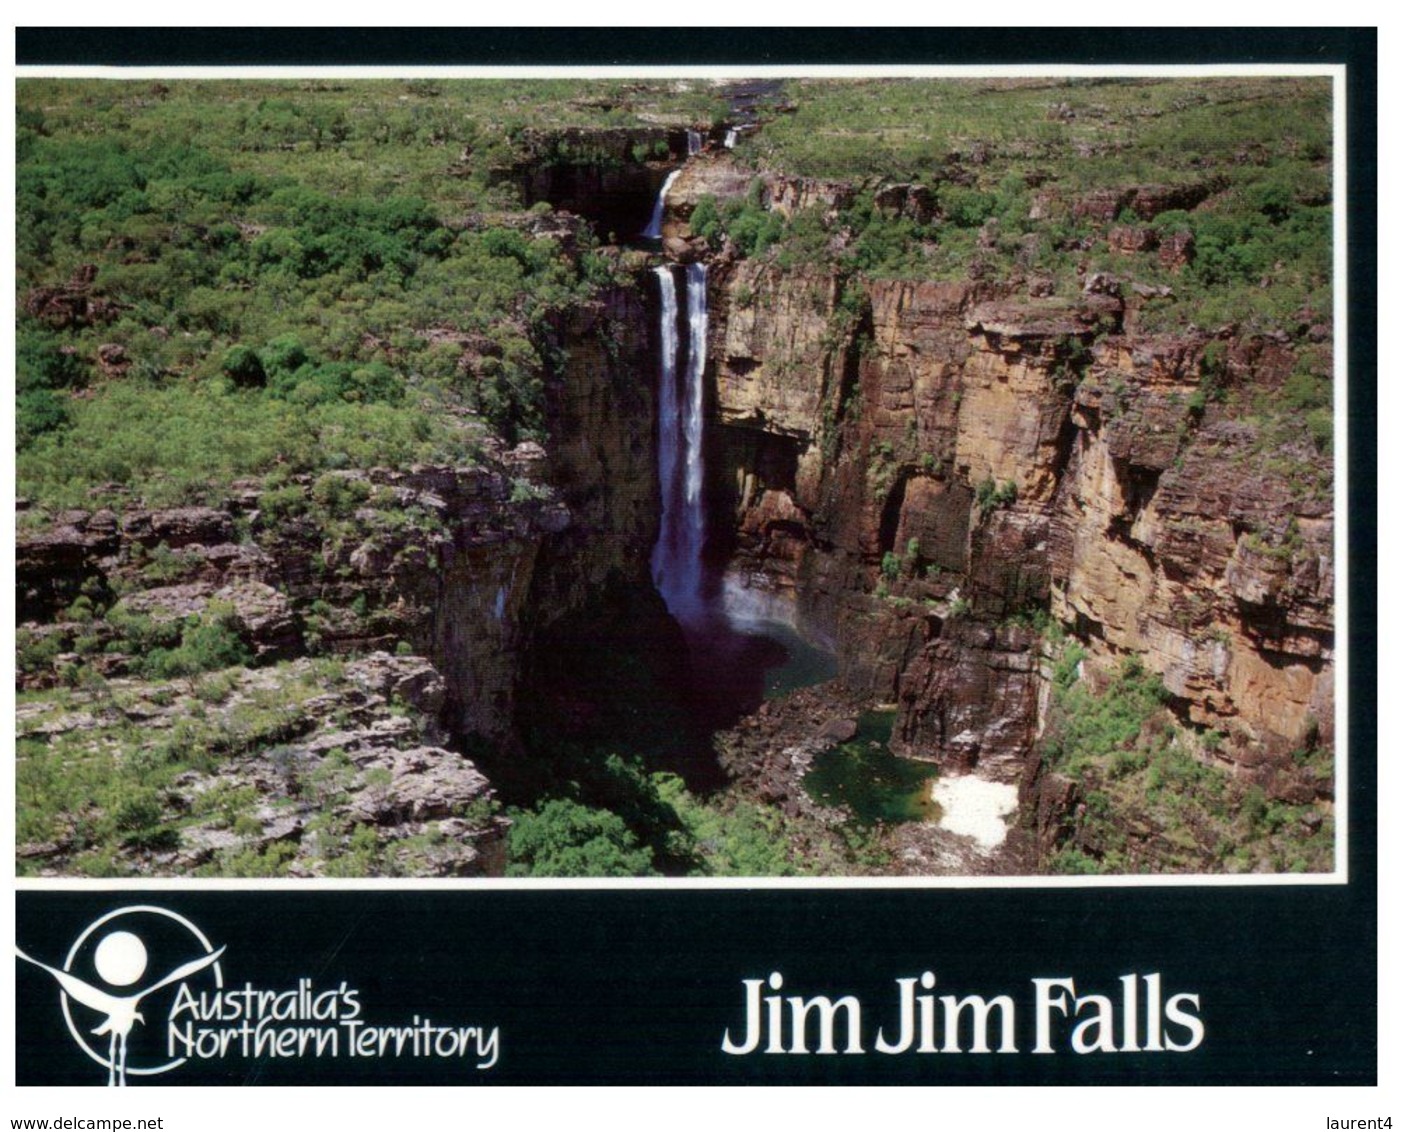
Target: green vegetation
x,y
278,274
732,837
990,496
615,818
180,444
1089,132
200,643
97,776
561,838
113,775
1153,798
993,154
877,243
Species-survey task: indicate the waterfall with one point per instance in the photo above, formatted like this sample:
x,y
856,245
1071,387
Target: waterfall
x,y
730,140
677,556
694,517
694,143
654,230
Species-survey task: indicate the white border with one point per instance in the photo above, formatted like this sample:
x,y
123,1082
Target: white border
x,y
1340,875
787,71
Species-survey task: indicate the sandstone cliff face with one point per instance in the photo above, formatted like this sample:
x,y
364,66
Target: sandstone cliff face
x,y
601,458
438,558
915,468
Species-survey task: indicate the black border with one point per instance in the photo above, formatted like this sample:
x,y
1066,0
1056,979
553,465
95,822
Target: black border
x,y
709,46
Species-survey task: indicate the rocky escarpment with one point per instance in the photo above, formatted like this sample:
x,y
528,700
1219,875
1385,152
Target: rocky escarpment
x,y
1017,452
461,570
458,564
435,560
927,469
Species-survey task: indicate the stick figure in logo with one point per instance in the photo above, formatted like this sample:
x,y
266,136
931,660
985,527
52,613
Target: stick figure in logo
x,y
120,960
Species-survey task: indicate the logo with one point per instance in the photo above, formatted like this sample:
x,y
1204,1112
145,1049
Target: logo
x,y
154,950
142,991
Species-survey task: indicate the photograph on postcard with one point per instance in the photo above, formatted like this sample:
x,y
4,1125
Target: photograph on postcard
x,y
713,477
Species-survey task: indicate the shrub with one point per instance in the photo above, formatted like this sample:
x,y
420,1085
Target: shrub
x,y
340,494
562,838
207,642
244,367
965,208
706,221
285,354
137,811
38,411
990,496
139,633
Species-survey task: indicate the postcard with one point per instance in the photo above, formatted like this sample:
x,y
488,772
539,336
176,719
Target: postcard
x,y
754,574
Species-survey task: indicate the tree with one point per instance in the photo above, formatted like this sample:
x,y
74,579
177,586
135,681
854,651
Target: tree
x,y
561,838
243,366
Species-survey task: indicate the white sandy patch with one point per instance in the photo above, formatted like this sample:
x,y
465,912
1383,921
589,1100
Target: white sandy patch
x,y
975,807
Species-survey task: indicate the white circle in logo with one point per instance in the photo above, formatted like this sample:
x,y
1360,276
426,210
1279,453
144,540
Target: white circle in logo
x,y
120,959
122,956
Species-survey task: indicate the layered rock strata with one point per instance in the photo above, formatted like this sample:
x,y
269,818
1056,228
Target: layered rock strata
x,y
922,467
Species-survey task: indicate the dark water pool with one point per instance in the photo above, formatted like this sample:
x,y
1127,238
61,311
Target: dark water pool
x,y
738,665
803,664
864,776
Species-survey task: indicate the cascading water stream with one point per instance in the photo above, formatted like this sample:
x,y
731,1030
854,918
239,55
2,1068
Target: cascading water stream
x,y
677,556
654,230
694,514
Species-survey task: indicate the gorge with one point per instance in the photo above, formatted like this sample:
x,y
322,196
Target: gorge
x,y
1021,447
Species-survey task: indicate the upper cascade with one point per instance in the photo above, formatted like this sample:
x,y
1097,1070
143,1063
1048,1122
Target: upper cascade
x,y
654,228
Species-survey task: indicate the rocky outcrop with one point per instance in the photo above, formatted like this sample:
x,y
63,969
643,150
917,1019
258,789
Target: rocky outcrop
x,y
918,466
1146,201
360,778
467,566
462,572
719,176
439,560
715,176
971,694
74,304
